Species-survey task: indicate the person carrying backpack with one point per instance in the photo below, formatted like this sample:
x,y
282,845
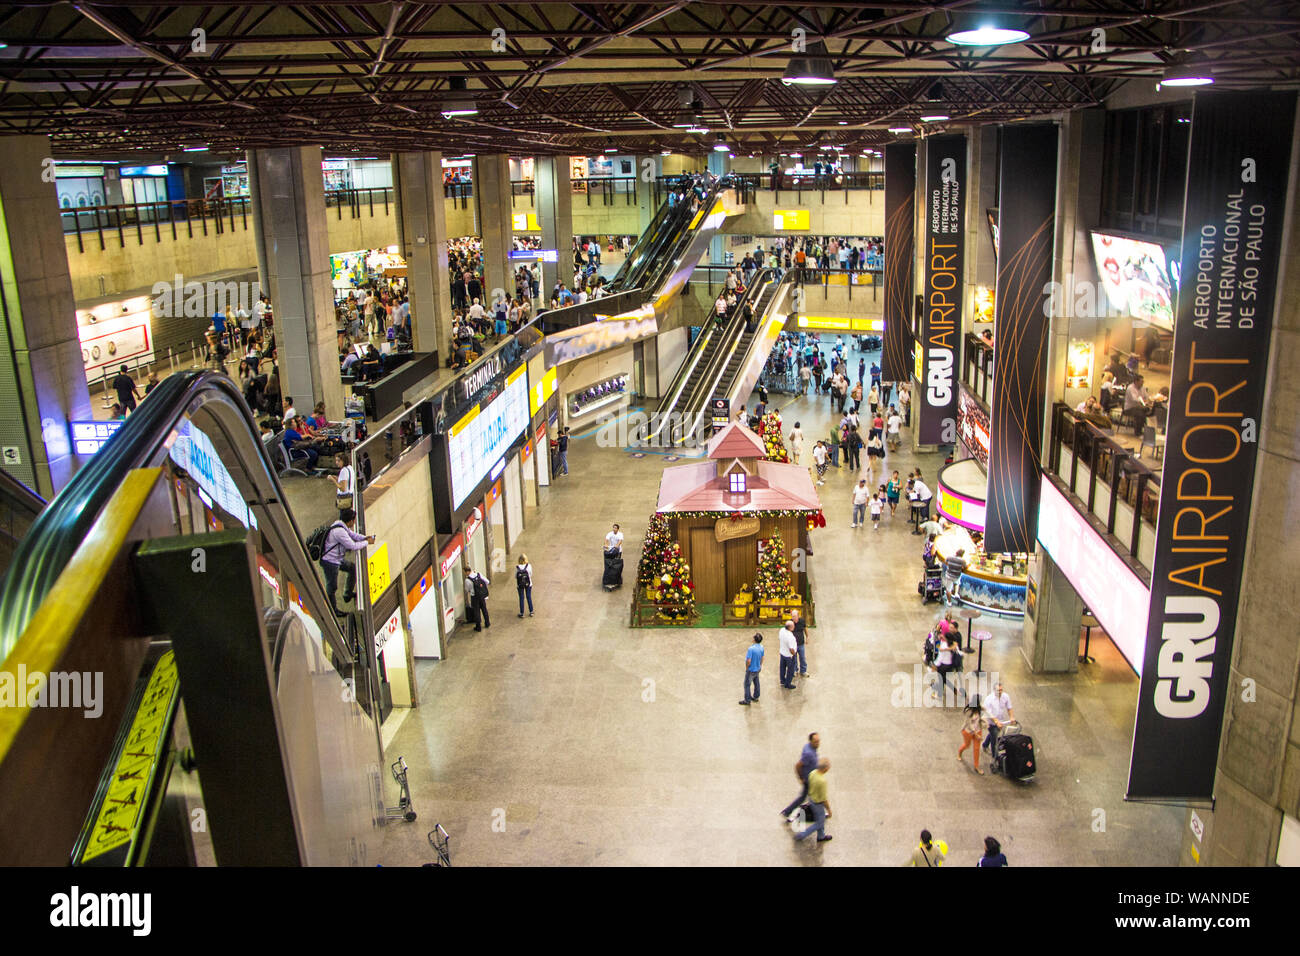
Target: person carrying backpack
x,y
476,595
524,584
339,540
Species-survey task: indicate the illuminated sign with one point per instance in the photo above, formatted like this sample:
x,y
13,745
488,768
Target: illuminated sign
x,y
448,556
973,426
391,627
480,377
1136,277
192,450
476,441
89,437
840,323
496,472
961,509
541,392
1078,364
143,171
524,221
1111,590
790,219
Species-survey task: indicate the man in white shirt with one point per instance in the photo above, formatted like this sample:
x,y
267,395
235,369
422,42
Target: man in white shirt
x,y
997,708
789,648
923,494
892,425
290,413
796,442
861,493
476,311
805,375
614,540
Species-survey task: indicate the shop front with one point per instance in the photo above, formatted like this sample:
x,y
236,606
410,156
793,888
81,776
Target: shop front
x,y
991,582
451,584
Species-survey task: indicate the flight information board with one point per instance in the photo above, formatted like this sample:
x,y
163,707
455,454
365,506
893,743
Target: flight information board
x,y
478,440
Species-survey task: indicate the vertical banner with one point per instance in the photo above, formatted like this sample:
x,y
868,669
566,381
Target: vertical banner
x,y
900,260
944,254
1237,168
1026,226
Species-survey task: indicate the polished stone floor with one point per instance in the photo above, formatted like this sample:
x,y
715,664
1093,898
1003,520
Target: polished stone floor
x,y
570,738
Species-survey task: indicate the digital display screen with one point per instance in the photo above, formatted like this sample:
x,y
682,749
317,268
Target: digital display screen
x,y
89,437
477,441
1136,277
193,451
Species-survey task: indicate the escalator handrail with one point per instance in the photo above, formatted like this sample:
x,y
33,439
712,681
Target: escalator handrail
x,y
667,264
61,528
639,255
784,279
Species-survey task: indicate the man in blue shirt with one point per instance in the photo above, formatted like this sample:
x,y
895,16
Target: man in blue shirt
x,y
293,444
806,765
753,664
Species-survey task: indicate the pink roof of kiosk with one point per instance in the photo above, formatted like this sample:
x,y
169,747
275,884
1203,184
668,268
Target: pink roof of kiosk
x,y
735,441
771,486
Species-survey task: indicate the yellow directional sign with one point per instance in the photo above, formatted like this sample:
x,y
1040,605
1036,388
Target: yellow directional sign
x,y
118,821
377,569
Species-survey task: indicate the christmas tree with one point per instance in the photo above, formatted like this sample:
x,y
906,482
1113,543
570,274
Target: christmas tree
x,y
772,579
675,586
654,552
769,429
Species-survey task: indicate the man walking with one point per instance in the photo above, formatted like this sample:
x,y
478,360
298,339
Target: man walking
x,y
753,665
124,385
861,494
819,800
805,765
789,648
997,708
614,540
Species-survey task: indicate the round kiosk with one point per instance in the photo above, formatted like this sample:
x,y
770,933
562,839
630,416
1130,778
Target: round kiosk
x,y
991,582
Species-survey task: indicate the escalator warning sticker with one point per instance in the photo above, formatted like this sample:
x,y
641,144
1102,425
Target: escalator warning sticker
x,y
119,815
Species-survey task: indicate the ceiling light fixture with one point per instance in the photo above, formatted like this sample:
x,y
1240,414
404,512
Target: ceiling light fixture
x,y
1186,74
987,35
459,102
721,145
900,129
934,118
813,68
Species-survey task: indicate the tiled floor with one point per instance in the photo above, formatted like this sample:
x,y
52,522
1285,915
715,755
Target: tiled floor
x,y
570,738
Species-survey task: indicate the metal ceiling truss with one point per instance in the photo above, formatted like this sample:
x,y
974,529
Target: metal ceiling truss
x,y
553,77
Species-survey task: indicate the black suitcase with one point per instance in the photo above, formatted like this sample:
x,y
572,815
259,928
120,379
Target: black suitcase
x,y
613,577
1016,757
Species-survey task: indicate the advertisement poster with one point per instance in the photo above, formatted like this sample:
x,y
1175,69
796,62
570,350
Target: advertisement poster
x,y
943,288
1238,163
1138,280
1020,323
900,259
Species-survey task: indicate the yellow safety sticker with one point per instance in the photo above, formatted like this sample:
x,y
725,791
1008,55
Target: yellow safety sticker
x,y
118,821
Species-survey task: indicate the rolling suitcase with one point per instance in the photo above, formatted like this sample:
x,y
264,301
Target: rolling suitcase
x,y
1015,756
613,577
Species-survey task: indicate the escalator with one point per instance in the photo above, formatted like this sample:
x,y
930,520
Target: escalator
x,y
716,365
167,593
19,508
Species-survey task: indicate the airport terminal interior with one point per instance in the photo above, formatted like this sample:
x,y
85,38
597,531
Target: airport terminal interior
x,y
656,434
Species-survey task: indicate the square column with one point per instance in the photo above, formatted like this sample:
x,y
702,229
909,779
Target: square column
x,y
492,209
555,215
295,239
423,214
42,376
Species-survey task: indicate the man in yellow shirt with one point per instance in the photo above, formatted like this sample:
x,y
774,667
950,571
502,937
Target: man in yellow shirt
x,y
817,798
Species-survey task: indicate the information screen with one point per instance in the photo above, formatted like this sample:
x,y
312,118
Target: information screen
x,y
1136,277
89,437
482,436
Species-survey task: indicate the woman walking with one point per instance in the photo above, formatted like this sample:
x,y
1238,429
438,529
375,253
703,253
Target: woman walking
x,y
892,488
927,853
993,855
524,585
972,731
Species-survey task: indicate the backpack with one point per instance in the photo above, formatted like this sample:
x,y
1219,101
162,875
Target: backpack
x,y
521,578
931,651
480,587
316,540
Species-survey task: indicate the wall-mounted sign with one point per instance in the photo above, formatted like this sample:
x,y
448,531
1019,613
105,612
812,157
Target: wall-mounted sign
x,y
790,219
473,523
477,441
89,437
541,392
943,255
377,572
524,222
390,628
447,557
482,375
973,426
143,171
719,413
1078,364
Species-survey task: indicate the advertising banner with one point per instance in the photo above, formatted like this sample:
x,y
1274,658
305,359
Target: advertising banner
x,y
1026,225
1238,163
944,241
900,259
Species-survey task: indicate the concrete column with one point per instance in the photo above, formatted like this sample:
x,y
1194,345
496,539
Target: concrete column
x,y
555,216
295,236
719,164
255,210
492,209
42,376
1051,635
424,245
1258,776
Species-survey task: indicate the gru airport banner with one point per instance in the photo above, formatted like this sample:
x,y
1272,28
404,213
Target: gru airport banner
x,y
1238,162
900,260
945,240
1026,228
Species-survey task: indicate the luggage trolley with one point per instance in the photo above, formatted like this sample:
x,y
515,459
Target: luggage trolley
x,y
441,844
404,809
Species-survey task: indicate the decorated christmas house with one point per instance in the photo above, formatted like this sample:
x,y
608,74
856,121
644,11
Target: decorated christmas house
x,y
732,511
